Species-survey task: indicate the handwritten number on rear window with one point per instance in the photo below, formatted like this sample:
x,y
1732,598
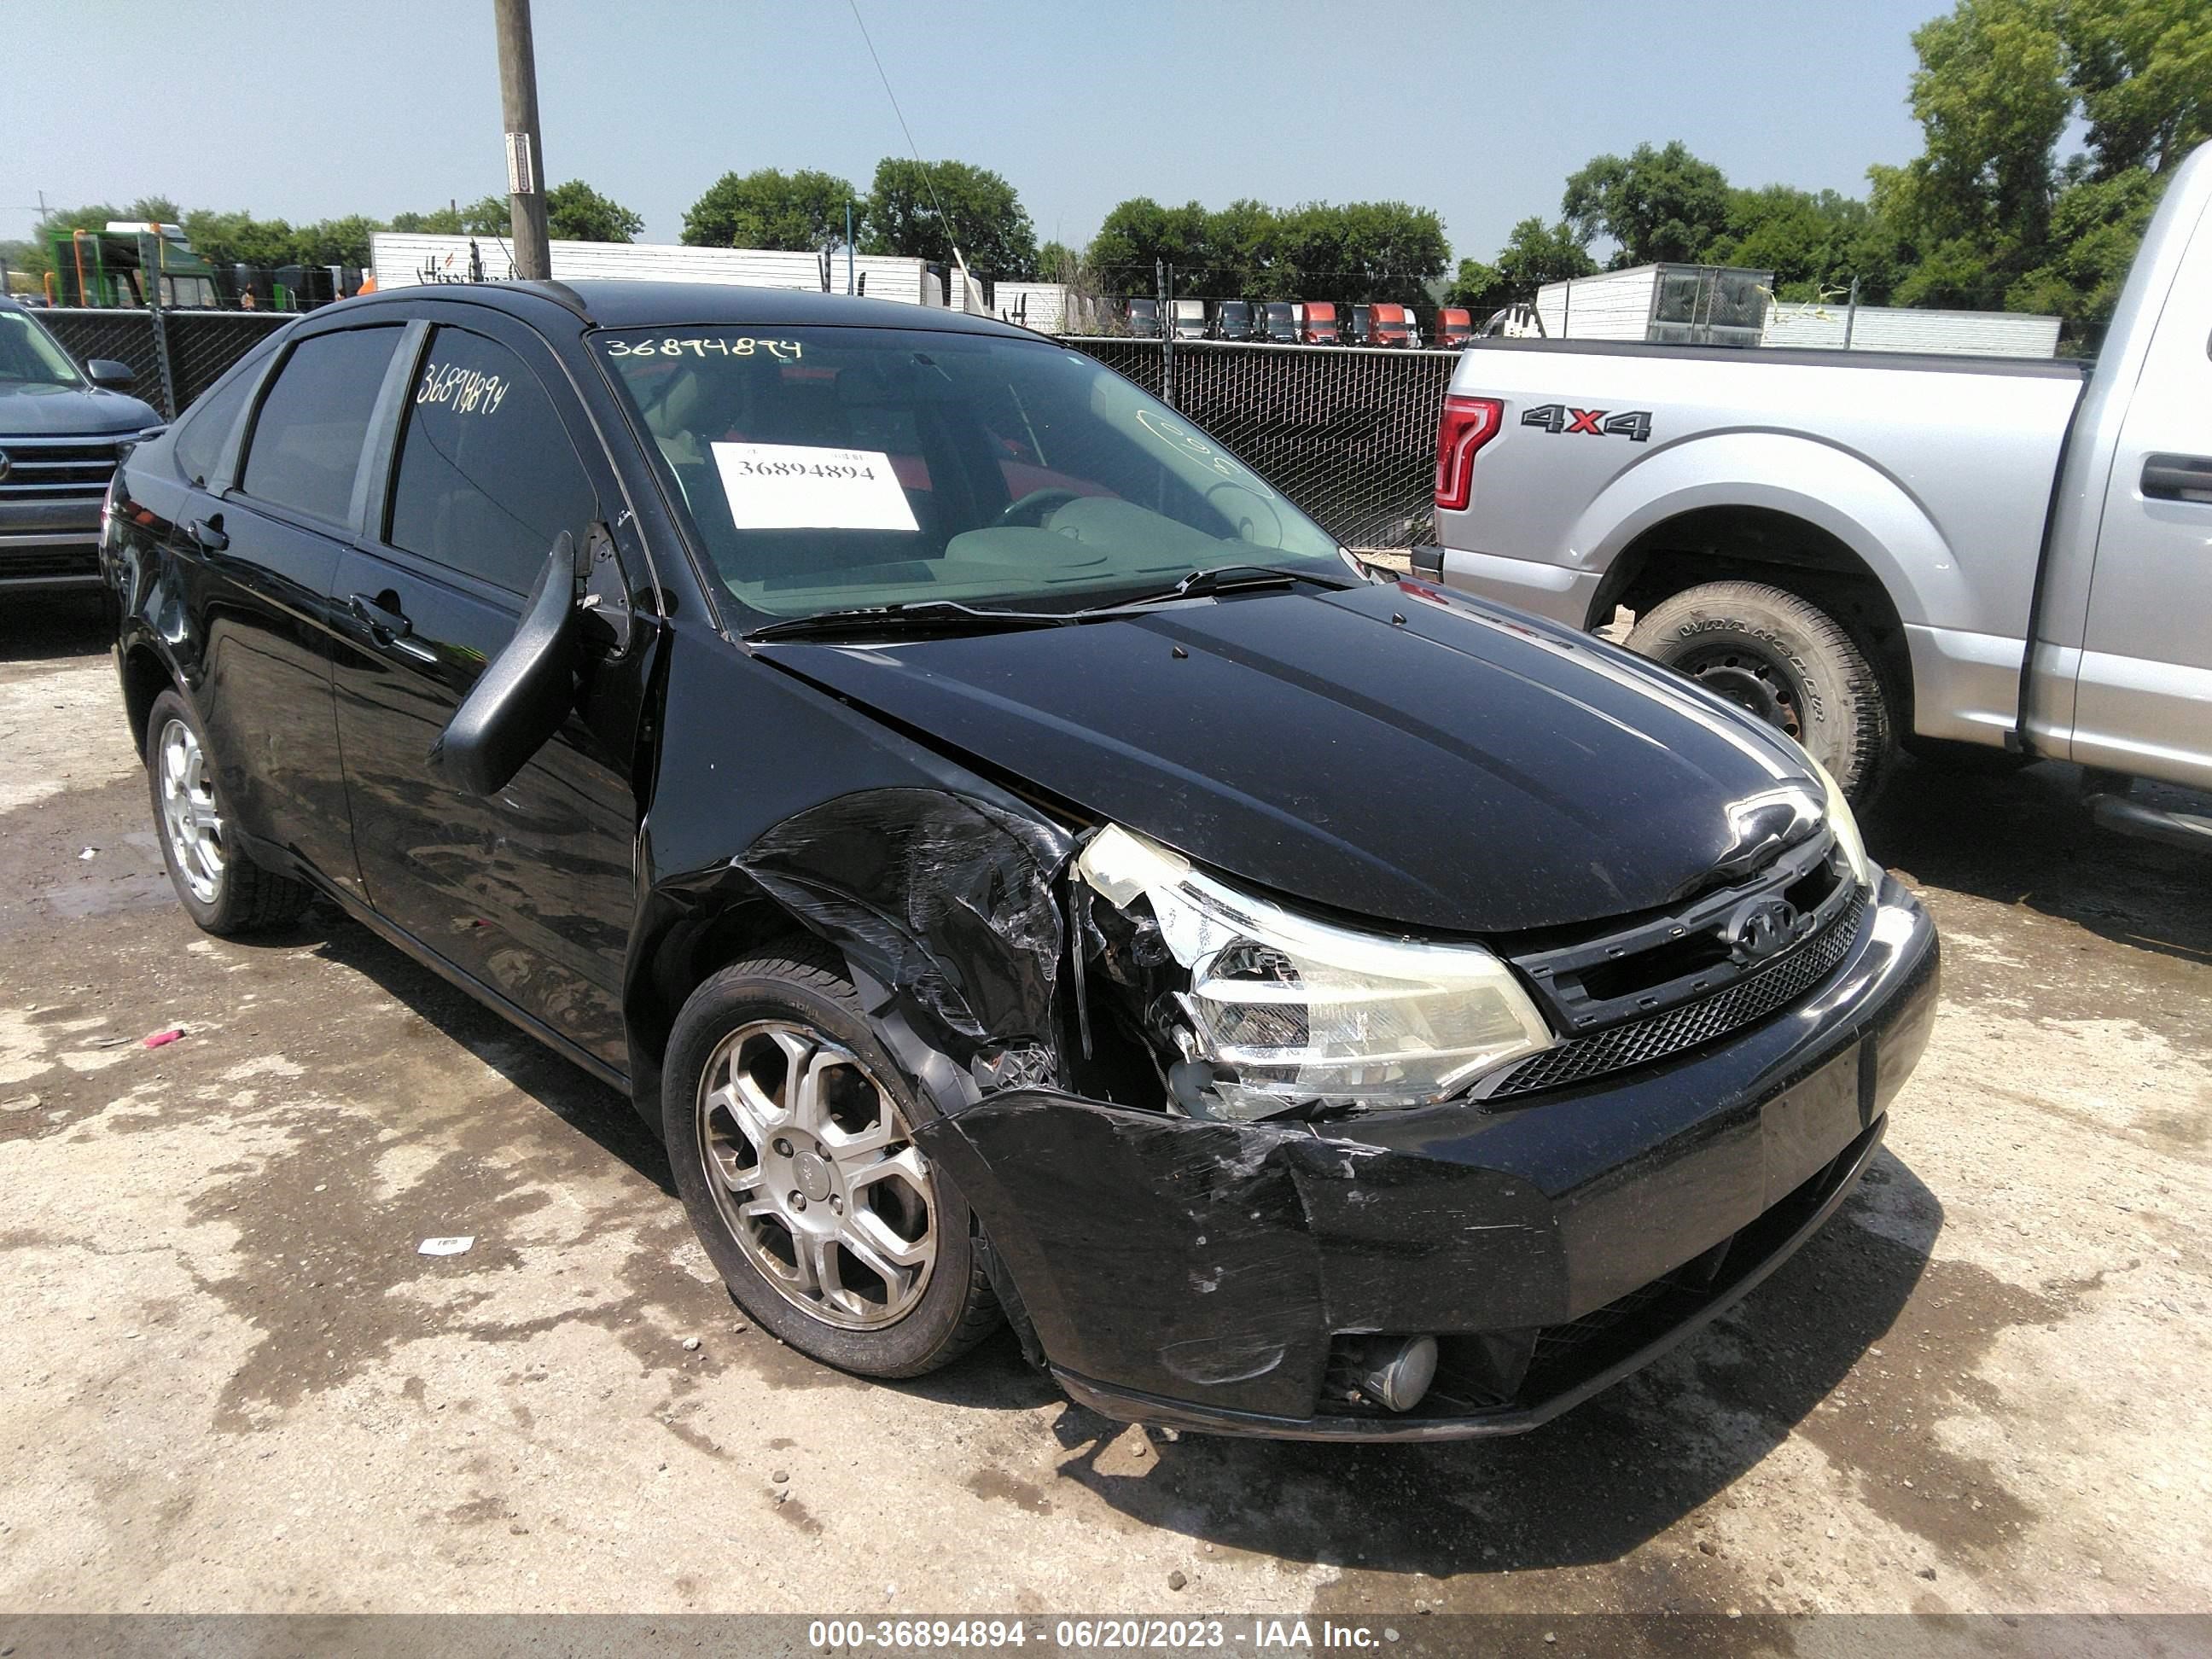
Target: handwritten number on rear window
x,y
700,345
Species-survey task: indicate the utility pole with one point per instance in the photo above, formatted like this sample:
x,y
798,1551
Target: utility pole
x,y
525,153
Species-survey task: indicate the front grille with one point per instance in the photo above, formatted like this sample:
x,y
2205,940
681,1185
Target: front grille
x,y
48,470
1638,1041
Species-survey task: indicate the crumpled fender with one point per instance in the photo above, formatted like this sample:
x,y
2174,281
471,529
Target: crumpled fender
x,y
947,902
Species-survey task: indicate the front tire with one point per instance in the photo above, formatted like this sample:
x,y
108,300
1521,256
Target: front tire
x,y
217,882
1786,660
790,1134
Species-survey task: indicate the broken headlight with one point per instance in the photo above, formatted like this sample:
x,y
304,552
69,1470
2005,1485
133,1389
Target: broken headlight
x,y
1279,1010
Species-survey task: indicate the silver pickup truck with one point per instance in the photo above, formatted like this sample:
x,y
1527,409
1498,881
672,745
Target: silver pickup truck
x,y
1861,547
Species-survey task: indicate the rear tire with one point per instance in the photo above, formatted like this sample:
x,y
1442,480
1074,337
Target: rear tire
x,y
216,880
789,1127
1786,660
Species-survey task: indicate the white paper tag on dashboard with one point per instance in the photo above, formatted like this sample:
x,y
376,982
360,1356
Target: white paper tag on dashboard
x,y
797,487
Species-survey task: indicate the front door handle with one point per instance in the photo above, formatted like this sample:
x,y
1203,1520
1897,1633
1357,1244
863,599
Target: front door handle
x,y
2178,477
390,627
207,534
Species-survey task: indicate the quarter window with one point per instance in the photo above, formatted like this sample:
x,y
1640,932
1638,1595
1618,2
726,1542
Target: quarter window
x,y
487,478
307,440
204,426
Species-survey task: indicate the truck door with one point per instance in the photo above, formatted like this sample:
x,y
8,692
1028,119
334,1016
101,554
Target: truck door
x,y
2143,703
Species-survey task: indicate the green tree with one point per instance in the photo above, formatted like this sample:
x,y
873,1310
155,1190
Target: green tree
x,y
488,216
910,205
335,242
1534,254
237,237
2096,226
575,212
1655,205
1358,251
2142,71
1806,239
1991,98
801,212
1138,232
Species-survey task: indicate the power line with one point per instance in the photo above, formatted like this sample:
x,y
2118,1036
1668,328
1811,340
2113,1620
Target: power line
x,y
927,178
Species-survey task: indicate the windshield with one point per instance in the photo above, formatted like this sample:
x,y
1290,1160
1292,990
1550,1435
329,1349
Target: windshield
x,y
1235,311
829,468
28,355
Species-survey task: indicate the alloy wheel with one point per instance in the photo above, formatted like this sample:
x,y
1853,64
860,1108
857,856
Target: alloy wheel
x,y
190,816
815,1174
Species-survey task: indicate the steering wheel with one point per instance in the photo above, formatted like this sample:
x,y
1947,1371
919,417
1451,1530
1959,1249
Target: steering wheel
x,y
1032,508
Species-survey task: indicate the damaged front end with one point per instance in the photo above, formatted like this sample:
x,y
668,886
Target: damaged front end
x,y
1232,1161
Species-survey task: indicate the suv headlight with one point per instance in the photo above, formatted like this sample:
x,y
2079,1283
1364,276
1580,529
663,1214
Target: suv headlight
x,y
1286,1010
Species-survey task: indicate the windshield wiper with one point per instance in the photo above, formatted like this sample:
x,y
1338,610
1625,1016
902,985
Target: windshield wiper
x,y
1224,578
904,617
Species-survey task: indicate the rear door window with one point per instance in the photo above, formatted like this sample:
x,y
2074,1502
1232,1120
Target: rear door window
x,y
306,446
487,479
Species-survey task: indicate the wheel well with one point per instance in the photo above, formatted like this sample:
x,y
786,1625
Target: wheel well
x,y
144,678
685,955
1752,544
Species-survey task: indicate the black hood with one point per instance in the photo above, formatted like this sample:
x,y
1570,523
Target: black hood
x,y
1464,769
70,411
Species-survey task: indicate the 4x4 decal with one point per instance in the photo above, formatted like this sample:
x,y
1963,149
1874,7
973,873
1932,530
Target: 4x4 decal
x,y
1634,424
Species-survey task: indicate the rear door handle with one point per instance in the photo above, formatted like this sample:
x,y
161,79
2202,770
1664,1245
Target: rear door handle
x,y
207,534
2178,477
390,627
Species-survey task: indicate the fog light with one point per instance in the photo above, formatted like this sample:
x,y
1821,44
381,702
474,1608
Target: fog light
x,y
1397,1374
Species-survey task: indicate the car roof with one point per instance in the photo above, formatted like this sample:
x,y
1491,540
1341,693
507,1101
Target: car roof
x,y
612,302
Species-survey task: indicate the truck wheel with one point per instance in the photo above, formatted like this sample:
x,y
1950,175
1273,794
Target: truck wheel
x,y
790,1136
1787,661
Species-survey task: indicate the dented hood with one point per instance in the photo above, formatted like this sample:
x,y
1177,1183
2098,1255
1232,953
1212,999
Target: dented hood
x,y
1462,769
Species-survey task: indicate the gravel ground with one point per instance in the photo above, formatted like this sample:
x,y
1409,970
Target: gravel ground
x,y
231,1384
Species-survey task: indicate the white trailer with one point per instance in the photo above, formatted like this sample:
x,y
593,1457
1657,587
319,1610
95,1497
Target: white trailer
x,y
403,259
1679,305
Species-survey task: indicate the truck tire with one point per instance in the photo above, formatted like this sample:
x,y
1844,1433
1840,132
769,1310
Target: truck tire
x,y
1786,660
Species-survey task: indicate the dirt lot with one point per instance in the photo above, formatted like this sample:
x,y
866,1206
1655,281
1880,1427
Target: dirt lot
x,y
231,1383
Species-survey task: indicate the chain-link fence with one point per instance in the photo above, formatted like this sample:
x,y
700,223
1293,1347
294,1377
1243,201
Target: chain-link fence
x,y
176,354
1348,434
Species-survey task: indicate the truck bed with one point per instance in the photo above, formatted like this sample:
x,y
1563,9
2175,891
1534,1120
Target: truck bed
x,y
1934,472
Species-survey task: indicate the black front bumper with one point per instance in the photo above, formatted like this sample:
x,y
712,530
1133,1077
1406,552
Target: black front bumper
x,y
1206,1274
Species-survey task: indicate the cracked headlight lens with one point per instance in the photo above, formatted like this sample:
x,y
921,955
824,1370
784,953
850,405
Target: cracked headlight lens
x,y
1286,1010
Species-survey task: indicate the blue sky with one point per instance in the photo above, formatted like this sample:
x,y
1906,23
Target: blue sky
x,y
1479,110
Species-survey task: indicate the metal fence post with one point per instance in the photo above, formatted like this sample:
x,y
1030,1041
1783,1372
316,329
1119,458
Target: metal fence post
x,y
158,319
1163,279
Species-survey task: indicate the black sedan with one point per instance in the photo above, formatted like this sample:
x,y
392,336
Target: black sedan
x,y
1022,865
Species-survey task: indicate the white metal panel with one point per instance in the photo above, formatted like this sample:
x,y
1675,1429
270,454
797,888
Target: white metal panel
x,y
403,259
1896,328
1614,305
1040,306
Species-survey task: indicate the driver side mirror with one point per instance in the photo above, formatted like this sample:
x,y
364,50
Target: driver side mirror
x,y
525,692
108,372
